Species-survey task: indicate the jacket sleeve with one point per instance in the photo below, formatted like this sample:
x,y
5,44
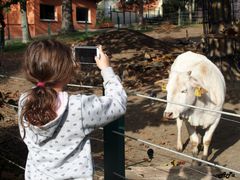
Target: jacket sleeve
x,y
98,111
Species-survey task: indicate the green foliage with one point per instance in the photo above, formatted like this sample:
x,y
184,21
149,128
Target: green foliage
x,y
131,1
137,2
18,46
74,36
101,18
8,3
14,46
174,4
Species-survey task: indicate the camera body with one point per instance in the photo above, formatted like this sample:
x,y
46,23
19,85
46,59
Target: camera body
x,y
86,54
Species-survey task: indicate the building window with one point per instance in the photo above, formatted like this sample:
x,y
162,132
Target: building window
x,y
82,14
47,12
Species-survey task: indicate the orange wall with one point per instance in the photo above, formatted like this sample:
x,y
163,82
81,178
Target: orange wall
x,y
40,27
13,21
91,5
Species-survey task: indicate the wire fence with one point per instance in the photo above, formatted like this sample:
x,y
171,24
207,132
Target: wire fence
x,y
178,153
141,140
152,16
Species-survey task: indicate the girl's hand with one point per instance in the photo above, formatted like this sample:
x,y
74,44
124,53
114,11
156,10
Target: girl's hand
x,y
102,61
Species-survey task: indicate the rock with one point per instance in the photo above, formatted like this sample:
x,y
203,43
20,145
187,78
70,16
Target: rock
x,y
147,56
158,64
153,55
124,75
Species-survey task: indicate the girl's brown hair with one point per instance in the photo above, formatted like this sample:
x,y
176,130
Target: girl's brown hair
x,y
49,62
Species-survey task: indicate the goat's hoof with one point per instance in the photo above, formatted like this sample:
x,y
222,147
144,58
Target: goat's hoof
x,y
179,148
195,163
204,158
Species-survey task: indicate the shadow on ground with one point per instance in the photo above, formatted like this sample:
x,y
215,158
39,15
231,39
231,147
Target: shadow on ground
x,y
226,134
13,154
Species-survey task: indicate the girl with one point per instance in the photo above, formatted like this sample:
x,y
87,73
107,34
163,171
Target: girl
x,y
53,124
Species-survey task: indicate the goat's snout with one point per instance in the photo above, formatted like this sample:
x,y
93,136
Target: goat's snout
x,y
168,115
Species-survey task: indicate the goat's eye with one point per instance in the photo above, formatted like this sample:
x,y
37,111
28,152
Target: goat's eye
x,y
184,91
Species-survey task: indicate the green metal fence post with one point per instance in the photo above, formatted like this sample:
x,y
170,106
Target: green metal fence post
x,y
110,13
2,39
49,29
86,26
114,151
130,18
118,21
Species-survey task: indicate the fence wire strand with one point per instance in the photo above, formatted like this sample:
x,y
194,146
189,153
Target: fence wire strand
x,y
70,85
178,153
147,97
12,162
143,141
191,106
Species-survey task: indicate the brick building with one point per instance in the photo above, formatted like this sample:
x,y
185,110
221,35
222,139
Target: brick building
x,y
45,14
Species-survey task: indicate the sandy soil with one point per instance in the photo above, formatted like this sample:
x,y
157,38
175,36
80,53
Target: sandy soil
x,y
140,60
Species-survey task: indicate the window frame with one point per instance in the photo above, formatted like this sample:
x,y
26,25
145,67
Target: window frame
x,y
48,20
89,14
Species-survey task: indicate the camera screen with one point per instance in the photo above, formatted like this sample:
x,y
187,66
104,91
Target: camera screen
x,y
85,54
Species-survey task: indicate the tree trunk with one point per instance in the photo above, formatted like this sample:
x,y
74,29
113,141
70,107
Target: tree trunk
x,y
107,5
160,8
227,11
67,20
220,23
24,25
141,20
190,11
220,14
2,26
179,16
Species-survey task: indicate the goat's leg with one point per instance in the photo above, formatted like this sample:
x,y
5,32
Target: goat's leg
x,y
179,135
194,139
207,138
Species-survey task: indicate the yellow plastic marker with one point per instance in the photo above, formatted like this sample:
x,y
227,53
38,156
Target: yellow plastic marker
x,y
198,92
164,87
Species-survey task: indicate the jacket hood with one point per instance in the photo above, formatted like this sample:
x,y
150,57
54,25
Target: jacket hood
x,y
43,133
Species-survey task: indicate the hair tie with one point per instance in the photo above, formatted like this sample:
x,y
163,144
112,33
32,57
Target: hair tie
x,y
41,84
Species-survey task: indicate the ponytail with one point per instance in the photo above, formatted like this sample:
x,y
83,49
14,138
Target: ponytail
x,y
40,106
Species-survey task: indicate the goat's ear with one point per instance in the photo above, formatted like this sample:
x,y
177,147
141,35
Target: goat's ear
x,y
199,90
189,73
194,82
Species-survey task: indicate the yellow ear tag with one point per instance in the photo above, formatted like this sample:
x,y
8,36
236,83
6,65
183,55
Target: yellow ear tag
x,y
198,92
164,87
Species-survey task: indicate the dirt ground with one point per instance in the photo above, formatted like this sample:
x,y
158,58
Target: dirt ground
x,y
140,59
